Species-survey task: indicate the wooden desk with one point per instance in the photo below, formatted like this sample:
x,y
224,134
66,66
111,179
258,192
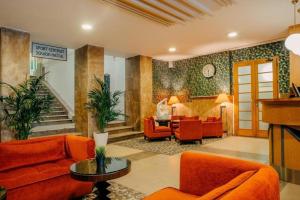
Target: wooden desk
x,y
283,115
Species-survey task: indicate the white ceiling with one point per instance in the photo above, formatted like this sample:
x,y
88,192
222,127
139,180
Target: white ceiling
x,y
121,33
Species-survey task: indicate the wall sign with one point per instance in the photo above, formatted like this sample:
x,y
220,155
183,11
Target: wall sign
x,y
49,52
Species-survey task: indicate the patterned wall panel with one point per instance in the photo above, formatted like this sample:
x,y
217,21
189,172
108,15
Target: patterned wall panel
x,y
186,78
268,51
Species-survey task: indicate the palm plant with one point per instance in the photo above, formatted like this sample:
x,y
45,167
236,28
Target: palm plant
x,y
23,107
102,103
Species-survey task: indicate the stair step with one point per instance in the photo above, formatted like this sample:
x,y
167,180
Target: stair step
x,y
53,130
116,123
67,132
57,108
53,122
120,129
54,117
124,136
54,113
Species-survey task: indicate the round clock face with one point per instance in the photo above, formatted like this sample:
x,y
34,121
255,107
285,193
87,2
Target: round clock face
x,y
209,70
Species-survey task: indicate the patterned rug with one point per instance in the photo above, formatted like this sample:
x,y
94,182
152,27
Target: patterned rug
x,y
118,192
164,146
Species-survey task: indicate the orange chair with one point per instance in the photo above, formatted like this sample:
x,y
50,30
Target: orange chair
x,y
175,122
189,130
154,132
39,169
207,177
191,118
213,127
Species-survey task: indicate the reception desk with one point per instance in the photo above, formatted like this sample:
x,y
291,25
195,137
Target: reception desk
x,y
283,115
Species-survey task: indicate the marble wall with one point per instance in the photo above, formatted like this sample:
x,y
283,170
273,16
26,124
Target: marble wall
x,y
14,62
89,62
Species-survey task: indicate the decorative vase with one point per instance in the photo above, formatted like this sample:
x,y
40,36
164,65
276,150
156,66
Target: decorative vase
x,y
100,139
100,160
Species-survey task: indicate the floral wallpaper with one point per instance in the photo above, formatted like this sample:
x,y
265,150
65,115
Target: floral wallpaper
x,y
268,51
186,79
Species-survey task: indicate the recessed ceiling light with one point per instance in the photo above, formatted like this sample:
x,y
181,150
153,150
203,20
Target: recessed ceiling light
x,y
172,49
232,34
86,27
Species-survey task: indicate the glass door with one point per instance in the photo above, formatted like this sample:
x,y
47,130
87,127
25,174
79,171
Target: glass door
x,y
253,80
267,88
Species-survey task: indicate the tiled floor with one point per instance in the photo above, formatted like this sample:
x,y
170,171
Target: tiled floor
x,y
153,171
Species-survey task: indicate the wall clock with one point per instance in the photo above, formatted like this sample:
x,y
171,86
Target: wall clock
x,y
209,70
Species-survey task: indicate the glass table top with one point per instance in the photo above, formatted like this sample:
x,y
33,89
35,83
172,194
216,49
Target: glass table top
x,y
90,167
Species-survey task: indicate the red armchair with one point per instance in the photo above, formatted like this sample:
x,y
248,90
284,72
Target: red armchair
x,y
175,122
191,118
154,132
40,168
213,127
189,130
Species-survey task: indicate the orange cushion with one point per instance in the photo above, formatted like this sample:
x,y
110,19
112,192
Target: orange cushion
x,y
170,194
15,178
23,154
222,190
162,129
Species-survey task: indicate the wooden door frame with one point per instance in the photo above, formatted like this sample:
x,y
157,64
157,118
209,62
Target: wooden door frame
x,y
254,94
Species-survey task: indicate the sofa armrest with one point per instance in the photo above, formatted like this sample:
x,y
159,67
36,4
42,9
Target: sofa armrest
x,y
263,185
80,148
200,173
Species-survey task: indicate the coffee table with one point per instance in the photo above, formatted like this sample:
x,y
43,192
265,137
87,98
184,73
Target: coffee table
x,y
2,193
88,170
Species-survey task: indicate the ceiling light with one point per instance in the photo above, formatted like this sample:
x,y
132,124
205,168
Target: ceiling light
x,y
172,49
232,34
86,27
292,42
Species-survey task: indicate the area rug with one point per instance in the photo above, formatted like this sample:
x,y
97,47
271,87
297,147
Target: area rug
x,y
118,192
164,146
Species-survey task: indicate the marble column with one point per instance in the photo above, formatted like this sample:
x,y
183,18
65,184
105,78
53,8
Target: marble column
x,y
138,93
89,62
14,61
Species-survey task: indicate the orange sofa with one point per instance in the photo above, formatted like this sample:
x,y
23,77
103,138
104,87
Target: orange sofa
x,y
207,177
189,130
154,132
213,127
38,169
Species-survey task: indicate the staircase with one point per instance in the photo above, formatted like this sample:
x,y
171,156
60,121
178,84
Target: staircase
x,y
118,131
55,122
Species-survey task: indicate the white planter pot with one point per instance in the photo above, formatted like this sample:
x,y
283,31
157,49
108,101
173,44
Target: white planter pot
x,y
100,139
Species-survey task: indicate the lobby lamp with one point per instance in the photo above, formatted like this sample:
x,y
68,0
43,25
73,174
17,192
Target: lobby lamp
x,y
222,99
172,101
292,42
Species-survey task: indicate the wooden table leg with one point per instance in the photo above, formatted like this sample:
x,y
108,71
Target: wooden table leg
x,y
102,190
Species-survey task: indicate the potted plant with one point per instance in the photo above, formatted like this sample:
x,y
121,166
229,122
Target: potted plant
x,y
23,107
102,103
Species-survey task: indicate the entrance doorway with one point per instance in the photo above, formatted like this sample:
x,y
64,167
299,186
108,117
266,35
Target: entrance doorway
x,y
253,81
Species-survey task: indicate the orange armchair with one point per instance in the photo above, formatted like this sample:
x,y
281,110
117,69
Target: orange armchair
x,y
213,127
189,130
154,132
207,177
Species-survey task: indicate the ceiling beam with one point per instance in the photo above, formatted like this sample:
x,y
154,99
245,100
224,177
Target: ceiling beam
x,y
181,7
150,9
135,10
167,8
198,6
